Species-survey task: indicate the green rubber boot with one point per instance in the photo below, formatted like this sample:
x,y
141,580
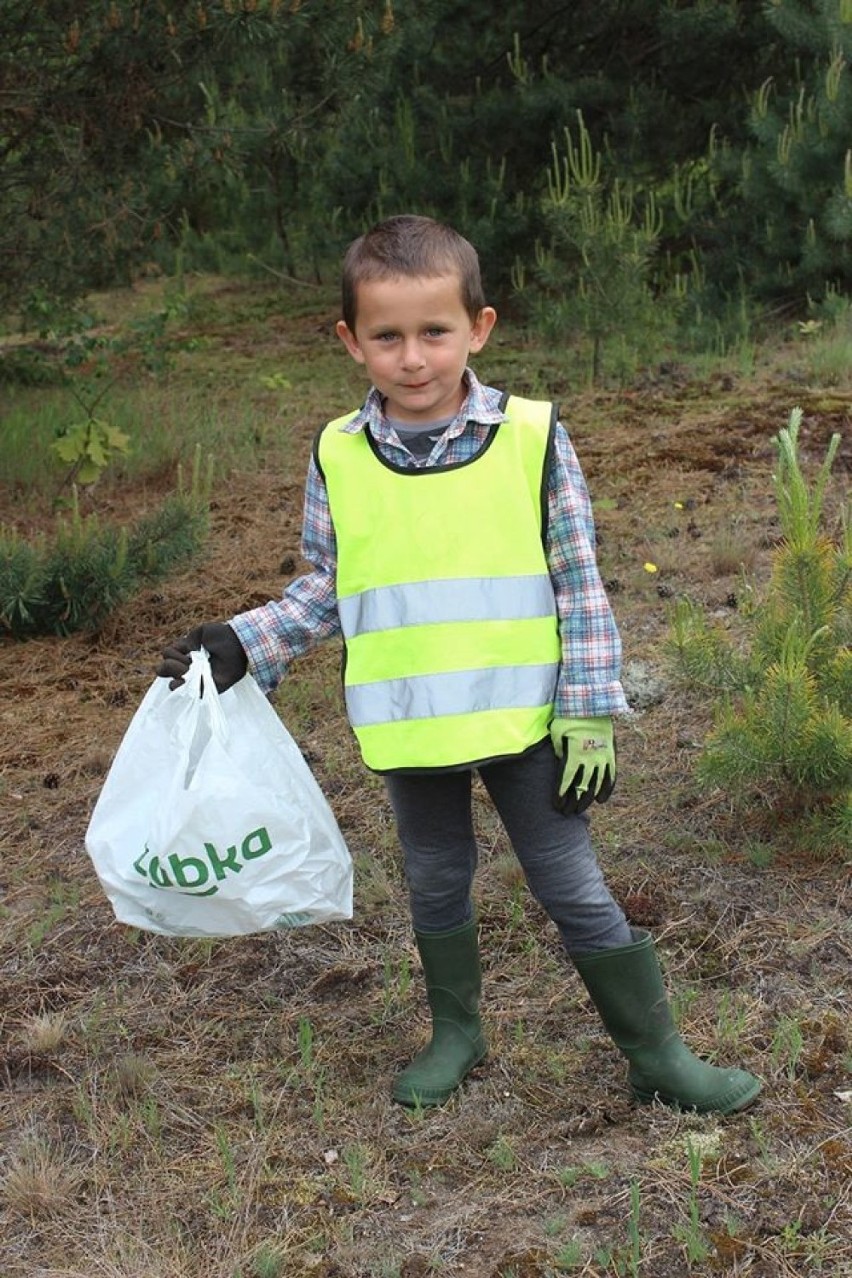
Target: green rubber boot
x,y
453,983
626,987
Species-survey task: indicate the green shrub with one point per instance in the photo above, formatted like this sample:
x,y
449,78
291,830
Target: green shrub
x,y
783,727
592,273
24,366
76,580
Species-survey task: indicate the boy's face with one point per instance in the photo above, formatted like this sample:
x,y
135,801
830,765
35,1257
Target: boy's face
x,y
414,337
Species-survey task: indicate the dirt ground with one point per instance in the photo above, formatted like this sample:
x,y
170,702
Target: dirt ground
x,y
172,1109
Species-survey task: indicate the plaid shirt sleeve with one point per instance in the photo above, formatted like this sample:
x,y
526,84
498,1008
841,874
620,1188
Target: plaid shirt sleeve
x,y
589,684
278,632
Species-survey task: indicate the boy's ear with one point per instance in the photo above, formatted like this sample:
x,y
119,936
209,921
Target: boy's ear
x,y
482,326
349,340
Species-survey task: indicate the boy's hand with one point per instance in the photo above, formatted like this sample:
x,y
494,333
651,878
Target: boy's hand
x,y
228,660
587,747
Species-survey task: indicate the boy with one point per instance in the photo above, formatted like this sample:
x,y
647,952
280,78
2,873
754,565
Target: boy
x,y
452,543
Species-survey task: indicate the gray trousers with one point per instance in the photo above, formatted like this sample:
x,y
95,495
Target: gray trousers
x,y
435,827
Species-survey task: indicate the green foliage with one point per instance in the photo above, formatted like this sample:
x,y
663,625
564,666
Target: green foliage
x,y
125,128
263,135
75,580
828,341
594,271
783,723
705,653
87,360
88,447
26,367
789,186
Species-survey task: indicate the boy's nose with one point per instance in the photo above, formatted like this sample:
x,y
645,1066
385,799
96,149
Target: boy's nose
x,y
412,356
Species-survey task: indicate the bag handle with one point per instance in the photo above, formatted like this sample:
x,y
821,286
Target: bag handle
x,y
199,683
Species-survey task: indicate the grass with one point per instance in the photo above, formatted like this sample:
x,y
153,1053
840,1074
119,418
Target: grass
x,y
733,550
166,425
828,343
41,1179
220,1109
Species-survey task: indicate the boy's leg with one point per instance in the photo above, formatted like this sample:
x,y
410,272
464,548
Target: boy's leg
x,y
555,852
618,966
433,815
435,828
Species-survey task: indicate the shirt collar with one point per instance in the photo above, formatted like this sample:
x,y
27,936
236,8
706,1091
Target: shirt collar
x,y
481,405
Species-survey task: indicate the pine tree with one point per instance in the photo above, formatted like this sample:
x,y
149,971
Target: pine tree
x,y
124,126
783,728
76,579
791,216
592,269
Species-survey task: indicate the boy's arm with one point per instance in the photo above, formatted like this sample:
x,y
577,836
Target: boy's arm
x,y
274,634
589,676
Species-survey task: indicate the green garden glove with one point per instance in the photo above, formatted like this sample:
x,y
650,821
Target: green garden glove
x,y
587,748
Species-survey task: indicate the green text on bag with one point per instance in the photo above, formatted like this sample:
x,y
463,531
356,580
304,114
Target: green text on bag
x,y
191,874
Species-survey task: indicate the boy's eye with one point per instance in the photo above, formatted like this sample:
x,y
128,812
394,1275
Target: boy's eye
x,y
435,330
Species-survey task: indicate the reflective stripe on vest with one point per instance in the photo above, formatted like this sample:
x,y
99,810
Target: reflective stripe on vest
x,y
455,599
458,692
445,601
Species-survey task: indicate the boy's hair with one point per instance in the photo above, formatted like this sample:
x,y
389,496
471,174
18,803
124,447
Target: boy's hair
x,y
417,247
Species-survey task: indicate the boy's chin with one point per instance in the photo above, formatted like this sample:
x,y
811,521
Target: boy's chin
x,y
422,404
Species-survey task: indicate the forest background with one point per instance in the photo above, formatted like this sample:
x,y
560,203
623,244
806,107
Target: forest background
x,y
698,156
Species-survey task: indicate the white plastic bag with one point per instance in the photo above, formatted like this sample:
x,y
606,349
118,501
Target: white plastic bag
x,y
210,822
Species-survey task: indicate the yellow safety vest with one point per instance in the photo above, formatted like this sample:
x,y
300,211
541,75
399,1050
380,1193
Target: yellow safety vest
x,y
444,596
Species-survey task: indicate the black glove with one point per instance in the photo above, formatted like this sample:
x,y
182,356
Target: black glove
x,y
228,660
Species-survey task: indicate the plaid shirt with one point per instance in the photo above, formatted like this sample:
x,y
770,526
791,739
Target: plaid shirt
x,y
588,683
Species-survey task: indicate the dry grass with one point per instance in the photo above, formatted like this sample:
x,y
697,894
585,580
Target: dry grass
x,y
188,1109
732,551
40,1179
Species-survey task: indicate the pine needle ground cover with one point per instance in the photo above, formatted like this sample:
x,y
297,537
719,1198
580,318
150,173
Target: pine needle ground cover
x,y
185,1109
